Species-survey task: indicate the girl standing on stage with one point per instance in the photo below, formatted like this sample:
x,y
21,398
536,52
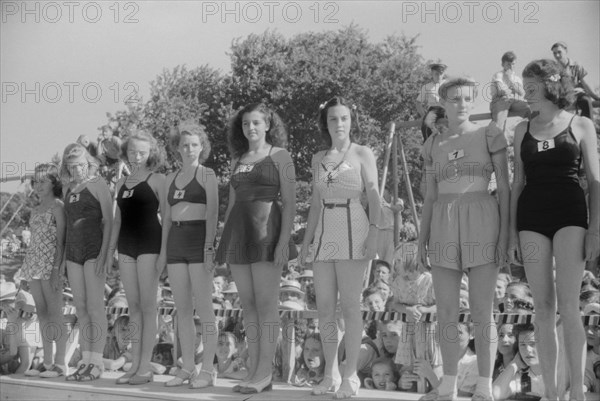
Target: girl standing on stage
x,y
88,208
464,228
550,217
137,236
43,267
256,238
189,229
343,237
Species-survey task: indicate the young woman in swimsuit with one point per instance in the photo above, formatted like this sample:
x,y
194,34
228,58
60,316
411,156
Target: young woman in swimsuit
x,y
550,217
189,229
88,208
256,238
137,236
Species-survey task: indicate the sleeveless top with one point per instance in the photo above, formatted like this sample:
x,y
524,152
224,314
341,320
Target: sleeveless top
x,y
552,161
39,259
139,205
84,214
257,181
341,181
193,192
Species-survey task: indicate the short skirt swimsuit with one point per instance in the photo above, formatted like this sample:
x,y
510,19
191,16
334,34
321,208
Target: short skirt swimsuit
x,y
39,259
253,226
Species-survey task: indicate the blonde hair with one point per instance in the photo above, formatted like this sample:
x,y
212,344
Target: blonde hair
x,y
75,151
406,254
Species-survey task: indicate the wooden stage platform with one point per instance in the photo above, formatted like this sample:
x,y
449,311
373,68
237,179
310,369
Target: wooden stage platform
x,y
19,387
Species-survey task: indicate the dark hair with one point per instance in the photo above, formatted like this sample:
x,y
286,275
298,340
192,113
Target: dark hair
x,y
156,157
191,127
276,133
509,56
557,81
521,328
322,122
314,336
50,171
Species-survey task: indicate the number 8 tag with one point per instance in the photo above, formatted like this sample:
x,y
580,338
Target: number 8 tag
x,y
545,145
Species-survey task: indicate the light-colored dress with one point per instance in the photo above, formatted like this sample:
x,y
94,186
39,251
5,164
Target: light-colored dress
x,y
39,259
418,339
343,224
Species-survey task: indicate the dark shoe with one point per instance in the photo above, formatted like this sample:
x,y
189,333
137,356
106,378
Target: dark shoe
x,y
76,375
92,372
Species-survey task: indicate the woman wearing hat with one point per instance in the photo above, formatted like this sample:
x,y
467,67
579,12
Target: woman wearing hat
x,y
137,235
43,268
88,209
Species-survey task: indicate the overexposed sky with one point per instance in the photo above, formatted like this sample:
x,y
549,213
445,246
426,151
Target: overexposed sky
x,y
64,64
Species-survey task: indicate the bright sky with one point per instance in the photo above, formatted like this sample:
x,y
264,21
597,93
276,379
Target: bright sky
x,y
65,64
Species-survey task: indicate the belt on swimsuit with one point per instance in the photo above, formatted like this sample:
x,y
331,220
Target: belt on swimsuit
x,y
331,205
187,222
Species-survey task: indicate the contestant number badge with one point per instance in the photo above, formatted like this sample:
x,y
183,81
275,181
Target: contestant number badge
x,y
128,193
545,145
456,154
179,194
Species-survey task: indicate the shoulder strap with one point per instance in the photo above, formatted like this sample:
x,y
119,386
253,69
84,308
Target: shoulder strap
x,y
570,122
147,178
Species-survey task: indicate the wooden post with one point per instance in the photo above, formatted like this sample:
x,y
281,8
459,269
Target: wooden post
x,y
395,187
386,159
409,187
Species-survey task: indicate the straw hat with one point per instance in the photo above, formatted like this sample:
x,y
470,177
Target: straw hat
x,y
291,286
8,290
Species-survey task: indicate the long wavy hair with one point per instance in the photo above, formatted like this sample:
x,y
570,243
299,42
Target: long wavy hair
x,y
276,134
556,80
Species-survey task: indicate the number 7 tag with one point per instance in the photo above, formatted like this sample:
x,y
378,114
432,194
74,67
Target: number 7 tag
x,y
456,154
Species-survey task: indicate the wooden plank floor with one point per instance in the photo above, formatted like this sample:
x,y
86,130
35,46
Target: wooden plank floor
x,y
19,387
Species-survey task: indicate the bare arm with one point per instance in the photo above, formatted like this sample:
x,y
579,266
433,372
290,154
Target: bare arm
x,y
212,214
588,89
102,193
430,197
58,212
588,145
517,187
116,226
315,208
165,210
369,176
500,163
287,182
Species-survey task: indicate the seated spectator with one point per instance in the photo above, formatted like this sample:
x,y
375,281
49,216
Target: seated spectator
x,y
576,74
588,295
310,368
516,290
291,296
388,337
373,300
229,362
162,355
429,95
306,278
231,300
381,271
26,337
522,378
219,283
386,291
507,348
501,283
592,364
507,92
383,375
117,351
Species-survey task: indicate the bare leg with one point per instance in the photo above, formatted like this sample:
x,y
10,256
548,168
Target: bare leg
x,y
568,250
537,258
242,275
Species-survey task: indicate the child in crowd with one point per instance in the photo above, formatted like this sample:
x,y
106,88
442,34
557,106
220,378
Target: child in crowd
x,y
310,369
229,362
117,352
388,337
592,364
383,375
386,291
413,295
373,300
381,271
507,348
523,376
501,283
231,300
516,290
